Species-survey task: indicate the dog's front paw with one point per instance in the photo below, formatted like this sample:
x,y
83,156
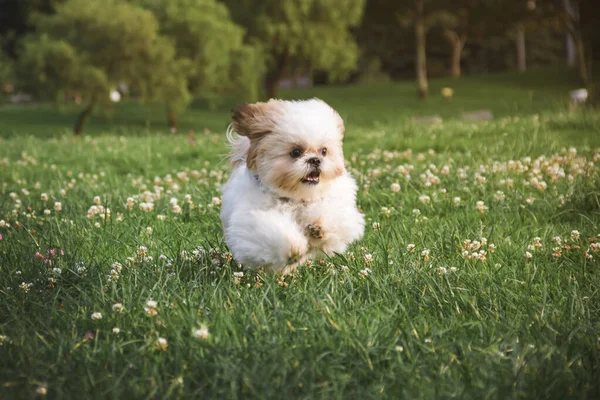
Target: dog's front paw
x,y
314,231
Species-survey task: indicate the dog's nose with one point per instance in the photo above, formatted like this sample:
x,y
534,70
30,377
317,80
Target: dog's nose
x,y
315,161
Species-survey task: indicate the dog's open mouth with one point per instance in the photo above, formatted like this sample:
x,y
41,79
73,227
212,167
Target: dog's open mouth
x,y
312,178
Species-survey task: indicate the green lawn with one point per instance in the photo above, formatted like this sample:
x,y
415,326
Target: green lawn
x,y
443,297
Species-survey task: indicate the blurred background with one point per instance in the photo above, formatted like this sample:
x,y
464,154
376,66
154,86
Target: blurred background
x,y
92,54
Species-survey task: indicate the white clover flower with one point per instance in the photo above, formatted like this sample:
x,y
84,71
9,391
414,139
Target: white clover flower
x,y
58,206
116,330
161,344
147,206
480,206
25,286
364,273
575,235
201,333
118,307
411,248
528,255
216,201
376,226
530,200
130,203
142,251
425,254
2,223
425,199
97,200
456,201
151,308
44,196
395,187
96,315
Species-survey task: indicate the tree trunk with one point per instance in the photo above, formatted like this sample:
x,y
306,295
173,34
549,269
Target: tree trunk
x,y
421,60
521,52
570,16
78,127
458,44
581,60
274,75
171,118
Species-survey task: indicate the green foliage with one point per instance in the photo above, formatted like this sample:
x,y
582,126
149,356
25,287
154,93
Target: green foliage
x,y
207,44
90,47
304,35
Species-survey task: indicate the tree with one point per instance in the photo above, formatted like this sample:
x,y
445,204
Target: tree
x,y
308,35
208,45
460,20
457,41
423,16
92,46
576,20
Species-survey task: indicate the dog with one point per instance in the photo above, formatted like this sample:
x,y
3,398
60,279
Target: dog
x,y
289,197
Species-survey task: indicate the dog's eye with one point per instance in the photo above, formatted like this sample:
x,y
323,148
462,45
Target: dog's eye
x,y
324,151
296,152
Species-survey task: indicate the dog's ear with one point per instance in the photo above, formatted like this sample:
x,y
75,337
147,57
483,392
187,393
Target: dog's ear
x,y
254,120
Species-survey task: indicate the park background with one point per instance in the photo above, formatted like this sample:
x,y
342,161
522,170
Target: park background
x,y
198,55
471,130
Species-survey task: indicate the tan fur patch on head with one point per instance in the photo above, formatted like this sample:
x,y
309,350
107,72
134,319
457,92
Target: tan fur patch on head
x,y
284,178
253,152
255,120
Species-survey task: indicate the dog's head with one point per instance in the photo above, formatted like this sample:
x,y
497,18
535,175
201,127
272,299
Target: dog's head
x,y
295,146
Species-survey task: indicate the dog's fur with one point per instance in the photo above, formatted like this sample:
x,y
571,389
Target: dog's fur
x,y
287,199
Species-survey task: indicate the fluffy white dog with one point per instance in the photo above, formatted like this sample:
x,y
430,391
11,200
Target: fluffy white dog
x,y
289,197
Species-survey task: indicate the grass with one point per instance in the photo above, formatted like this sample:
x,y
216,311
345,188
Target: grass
x,y
380,321
366,106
